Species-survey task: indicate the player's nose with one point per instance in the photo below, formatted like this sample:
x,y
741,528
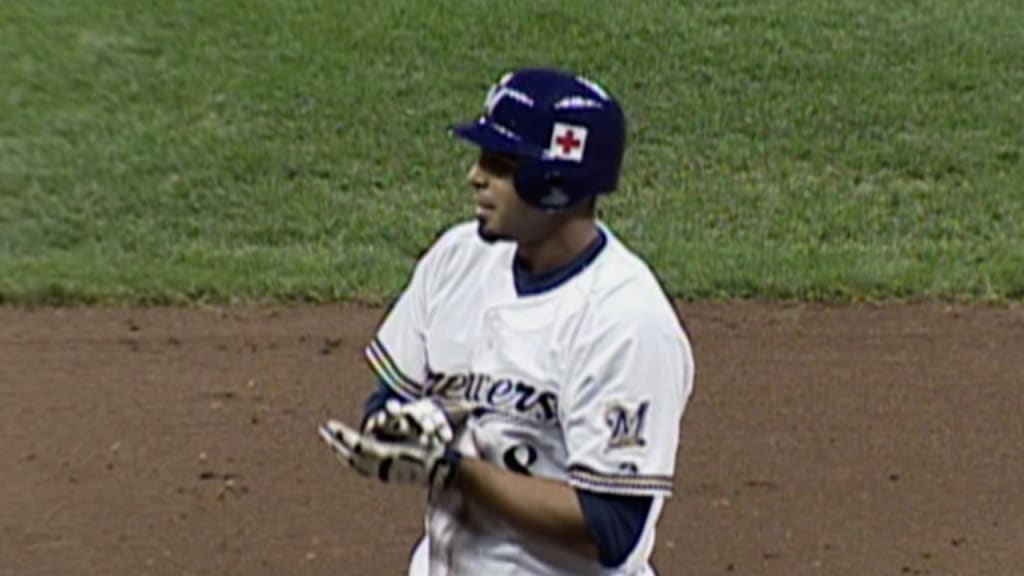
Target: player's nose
x,y
477,176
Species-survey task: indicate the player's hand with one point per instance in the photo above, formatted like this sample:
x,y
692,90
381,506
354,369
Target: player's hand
x,y
425,420
430,464
422,420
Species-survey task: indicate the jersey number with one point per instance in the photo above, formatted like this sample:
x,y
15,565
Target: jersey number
x,y
519,458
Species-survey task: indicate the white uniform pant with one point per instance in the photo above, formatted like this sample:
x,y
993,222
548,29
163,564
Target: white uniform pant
x,y
419,564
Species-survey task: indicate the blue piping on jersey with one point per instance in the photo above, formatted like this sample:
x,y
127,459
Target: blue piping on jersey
x,y
376,401
532,284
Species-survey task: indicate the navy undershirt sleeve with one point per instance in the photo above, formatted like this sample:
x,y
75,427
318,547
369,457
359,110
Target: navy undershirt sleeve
x,y
376,400
616,523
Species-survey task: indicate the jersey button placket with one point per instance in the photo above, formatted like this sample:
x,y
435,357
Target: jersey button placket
x,y
490,328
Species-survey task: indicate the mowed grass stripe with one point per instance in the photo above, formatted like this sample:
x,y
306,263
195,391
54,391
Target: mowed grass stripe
x,y
182,151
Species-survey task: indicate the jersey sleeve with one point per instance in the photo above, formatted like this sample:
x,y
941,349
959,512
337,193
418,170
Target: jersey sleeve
x,y
398,353
627,392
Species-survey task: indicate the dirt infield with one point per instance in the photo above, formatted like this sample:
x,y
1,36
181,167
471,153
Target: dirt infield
x,y
830,441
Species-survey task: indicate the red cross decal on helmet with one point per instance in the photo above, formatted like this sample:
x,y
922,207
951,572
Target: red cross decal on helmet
x,y
567,142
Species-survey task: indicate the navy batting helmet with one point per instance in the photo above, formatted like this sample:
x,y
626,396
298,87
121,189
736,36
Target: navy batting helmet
x,y
567,132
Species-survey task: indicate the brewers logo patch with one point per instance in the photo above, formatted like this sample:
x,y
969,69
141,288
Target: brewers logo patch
x,y
626,425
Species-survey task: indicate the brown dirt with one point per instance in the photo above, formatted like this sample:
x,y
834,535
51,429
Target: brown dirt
x,y
821,440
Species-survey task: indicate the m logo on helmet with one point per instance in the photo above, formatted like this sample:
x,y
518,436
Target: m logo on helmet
x,y
567,143
499,92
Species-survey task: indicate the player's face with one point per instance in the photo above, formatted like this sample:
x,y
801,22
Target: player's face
x,y
501,213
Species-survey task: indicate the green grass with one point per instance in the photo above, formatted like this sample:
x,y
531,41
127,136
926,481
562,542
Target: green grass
x,y
181,151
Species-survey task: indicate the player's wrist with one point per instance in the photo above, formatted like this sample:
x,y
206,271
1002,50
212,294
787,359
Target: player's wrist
x,y
447,468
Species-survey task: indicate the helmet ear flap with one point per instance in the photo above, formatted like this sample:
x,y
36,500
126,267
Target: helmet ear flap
x,y
554,179
555,196
543,187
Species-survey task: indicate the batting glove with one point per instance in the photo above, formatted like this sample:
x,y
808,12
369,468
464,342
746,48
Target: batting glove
x,y
431,464
425,420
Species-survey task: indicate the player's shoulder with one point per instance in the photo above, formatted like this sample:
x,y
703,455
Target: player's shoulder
x,y
461,233
626,289
456,246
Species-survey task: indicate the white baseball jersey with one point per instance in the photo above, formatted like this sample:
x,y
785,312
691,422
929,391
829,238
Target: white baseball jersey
x,y
584,383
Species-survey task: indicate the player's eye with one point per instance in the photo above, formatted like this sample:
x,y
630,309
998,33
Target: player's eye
x,y
499,165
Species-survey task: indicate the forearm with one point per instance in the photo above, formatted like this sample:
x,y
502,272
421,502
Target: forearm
x,y
538,506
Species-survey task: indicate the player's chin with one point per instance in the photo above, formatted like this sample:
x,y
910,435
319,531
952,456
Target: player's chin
x,y
486,230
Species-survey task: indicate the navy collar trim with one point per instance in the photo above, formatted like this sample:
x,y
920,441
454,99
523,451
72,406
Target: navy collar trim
x,y
532,284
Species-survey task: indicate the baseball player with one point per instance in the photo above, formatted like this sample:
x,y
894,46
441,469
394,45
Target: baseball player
x,y
532,374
